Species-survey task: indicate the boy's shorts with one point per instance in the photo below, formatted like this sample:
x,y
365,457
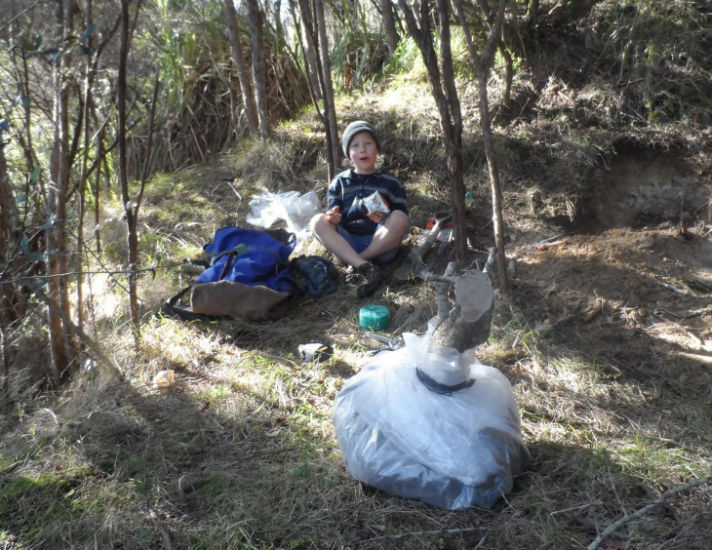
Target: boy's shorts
x,y
360,243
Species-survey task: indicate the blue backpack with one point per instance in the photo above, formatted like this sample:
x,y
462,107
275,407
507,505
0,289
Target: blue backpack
x,y
250,257
248,277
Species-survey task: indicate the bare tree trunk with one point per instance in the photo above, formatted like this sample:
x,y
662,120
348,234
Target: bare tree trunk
x,y
5,366
279,34
447,102
454,127
83,174
317,53
8,227
254,19
56,239
309,49
8,207
495,185
97,189
111,367
243,71
508,74
28,146
389,26
123,176
483,65
332,139
8,292
532,13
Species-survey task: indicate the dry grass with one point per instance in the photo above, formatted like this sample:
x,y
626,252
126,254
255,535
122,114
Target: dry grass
x,y
241,453
607,366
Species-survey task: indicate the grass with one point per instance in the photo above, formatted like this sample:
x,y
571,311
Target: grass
x,y
241,451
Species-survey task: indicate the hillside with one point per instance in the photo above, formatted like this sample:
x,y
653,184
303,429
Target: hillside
x,y
606,340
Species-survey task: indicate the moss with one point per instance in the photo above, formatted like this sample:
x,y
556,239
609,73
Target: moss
x,y
31,505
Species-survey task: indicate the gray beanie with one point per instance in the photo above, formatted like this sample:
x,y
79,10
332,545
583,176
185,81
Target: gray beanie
x,y
354,128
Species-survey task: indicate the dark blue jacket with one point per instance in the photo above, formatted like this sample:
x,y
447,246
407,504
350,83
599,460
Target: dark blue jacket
x,y
348,187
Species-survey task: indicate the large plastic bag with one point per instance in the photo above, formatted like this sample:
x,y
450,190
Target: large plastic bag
x,y
295,209
400,430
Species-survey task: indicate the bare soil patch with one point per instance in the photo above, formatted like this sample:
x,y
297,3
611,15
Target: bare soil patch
x,y
647,188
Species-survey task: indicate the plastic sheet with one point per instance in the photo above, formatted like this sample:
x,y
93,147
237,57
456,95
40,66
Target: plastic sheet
x,y
452,450
296,210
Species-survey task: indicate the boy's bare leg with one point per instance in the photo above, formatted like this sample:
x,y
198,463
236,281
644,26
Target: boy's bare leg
x,y
388,236
332,240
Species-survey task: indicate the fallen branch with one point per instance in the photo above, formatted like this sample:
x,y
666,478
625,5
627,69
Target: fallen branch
x,y
678,290
12,467
552,244
613,527
442,532
698,312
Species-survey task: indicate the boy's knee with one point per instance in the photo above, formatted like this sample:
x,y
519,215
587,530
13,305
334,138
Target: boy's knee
x,y
398,221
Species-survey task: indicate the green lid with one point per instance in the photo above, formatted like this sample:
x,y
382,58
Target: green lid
x,y
373,317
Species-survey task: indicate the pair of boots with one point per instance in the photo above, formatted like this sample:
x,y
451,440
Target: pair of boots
x,y
367,278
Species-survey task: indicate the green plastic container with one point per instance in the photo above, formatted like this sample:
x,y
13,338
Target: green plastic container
x,y
373,317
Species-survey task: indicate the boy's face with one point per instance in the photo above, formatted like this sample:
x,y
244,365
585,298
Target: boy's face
x,y
363,153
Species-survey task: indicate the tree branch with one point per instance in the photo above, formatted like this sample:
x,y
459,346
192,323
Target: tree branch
x,y
613,527
23,12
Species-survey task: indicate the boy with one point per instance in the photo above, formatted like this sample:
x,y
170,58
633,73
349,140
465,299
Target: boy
x,y
354,234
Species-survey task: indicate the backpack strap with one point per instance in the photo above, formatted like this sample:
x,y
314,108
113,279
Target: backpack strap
x,y
229,262
171,309
239,249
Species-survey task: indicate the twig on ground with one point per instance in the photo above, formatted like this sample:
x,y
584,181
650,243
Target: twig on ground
x,y
230,185
659,310
573,508
688,315
698,312
678,290
482,541
454,531
613,527
165,535
11,468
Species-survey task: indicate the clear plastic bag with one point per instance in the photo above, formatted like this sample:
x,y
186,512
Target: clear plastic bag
x,y
296,210
452,449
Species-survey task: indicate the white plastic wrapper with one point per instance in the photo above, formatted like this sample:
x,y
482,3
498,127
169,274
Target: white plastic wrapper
x,y
452,450
296,210
375,203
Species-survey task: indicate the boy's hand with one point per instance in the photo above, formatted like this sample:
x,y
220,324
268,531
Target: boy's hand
x,y
333,215
376,217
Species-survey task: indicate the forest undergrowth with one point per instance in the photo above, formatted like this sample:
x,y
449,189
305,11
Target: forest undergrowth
x,y
606,340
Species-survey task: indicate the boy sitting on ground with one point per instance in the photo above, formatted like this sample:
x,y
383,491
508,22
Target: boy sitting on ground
x,y
354,233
